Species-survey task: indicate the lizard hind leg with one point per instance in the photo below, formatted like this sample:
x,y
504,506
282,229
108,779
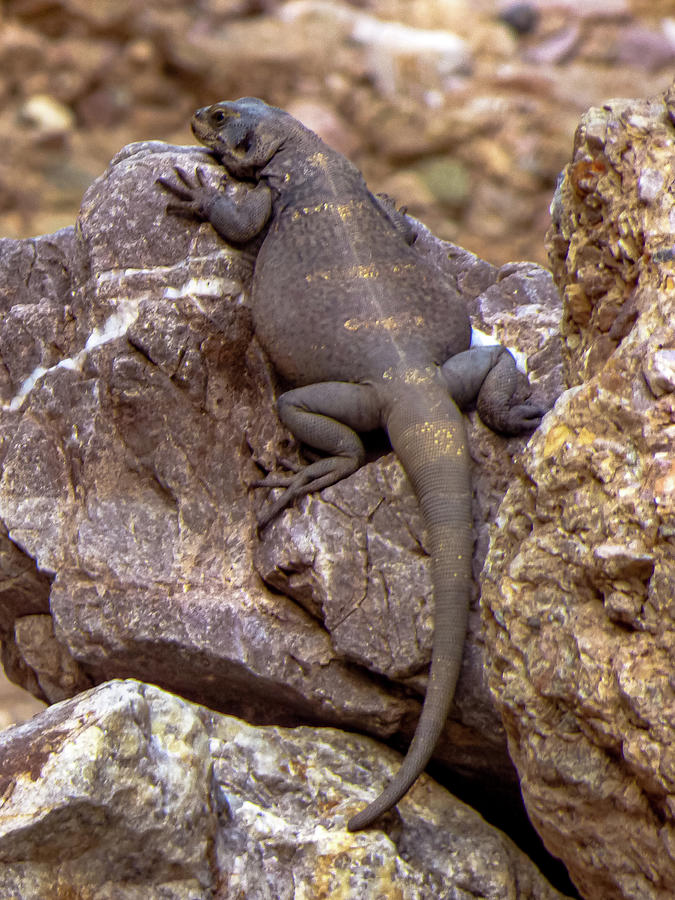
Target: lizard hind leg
x,y
326,416
488,376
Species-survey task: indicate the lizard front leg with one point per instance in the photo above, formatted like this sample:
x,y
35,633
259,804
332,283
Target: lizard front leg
x,y
326,416
237,212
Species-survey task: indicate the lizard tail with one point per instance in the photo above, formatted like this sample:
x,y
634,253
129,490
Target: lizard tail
x,y
428,435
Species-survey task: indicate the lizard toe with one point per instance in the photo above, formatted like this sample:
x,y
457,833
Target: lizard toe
x,y
524,417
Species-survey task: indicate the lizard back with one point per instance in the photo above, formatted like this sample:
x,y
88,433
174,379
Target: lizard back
x,y
339,294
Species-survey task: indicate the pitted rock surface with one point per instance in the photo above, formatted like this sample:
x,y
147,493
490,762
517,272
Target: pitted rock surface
x,y
579,583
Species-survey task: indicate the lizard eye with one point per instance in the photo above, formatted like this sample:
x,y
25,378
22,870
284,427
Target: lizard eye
x,y
218,116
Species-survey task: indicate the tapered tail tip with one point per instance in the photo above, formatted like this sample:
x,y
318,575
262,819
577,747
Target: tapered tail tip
x,y
359,821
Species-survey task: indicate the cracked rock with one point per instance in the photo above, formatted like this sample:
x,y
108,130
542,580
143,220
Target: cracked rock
x,y
128,792
136,411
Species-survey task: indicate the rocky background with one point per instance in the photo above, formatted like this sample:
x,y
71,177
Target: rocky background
x,y
469,130
469,126
462,109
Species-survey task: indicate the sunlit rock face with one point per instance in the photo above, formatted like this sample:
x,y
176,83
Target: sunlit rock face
x,y
579,583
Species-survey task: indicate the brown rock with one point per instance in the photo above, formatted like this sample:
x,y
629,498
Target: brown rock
x,y
57,673
579,583
16,705
137,409
645,48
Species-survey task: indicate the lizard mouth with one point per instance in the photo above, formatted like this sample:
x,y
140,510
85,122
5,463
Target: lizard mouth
x,y
204,131
198,125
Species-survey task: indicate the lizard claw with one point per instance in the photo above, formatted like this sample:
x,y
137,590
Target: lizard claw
x,y
175,209
274,479
523,417
306,480
174,188
194,193
185,192
294,485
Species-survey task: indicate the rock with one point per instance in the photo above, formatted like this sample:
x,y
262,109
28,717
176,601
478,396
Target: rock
x,y
56,672
24,593
46,115
136,411
579,582
393,50
129,792
114,792
557,48
522,17
592,9
16,705
446,179
646,48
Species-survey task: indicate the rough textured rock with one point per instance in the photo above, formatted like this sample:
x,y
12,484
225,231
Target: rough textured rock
x,y
129,793
137,409
579,585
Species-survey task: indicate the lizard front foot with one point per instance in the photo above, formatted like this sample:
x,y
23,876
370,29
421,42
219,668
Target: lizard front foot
x,y
237,211
196,196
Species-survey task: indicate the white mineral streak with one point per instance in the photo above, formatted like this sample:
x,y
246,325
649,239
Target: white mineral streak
x,y
115,326
482,339
659,372
201,287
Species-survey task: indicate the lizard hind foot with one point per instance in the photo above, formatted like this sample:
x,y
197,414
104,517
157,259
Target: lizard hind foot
x,y
518,419
306,480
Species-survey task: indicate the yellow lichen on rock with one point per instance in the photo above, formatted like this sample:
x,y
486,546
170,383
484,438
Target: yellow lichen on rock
x,y
578,601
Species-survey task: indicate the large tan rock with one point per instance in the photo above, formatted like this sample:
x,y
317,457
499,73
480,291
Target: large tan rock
x,y
130,793
579,586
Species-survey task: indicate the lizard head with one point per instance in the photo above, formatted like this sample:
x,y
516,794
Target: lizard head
x,y
244,134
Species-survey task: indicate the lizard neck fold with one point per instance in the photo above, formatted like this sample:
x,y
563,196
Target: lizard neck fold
x,y
306,170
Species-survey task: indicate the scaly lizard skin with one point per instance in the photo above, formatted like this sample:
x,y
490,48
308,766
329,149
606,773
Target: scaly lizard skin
x,y
372,337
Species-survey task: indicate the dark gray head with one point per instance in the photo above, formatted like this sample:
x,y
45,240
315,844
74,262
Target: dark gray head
x,y
245,134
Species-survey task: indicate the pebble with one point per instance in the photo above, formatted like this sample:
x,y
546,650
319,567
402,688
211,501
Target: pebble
x,y
47,115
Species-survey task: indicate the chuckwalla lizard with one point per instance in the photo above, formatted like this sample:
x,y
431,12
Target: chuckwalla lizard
x,y
371,336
